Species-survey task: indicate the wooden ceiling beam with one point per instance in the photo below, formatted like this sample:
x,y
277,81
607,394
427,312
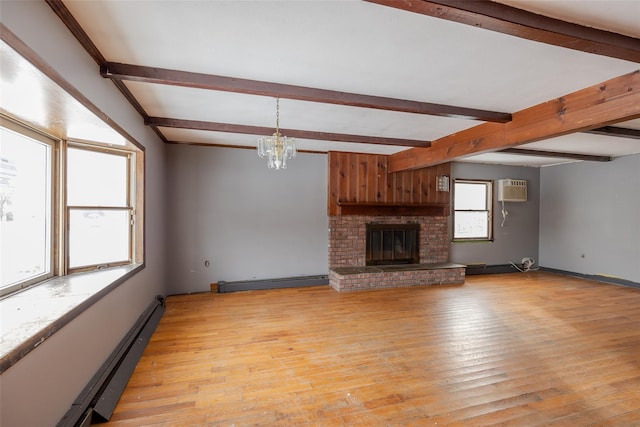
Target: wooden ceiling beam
x,y
165,76
294,133
613,101
527,25
556,154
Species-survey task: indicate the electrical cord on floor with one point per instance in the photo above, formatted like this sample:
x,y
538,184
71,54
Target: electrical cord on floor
x,y
527,265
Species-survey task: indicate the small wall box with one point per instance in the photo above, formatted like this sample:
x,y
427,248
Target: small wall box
x,y
512,190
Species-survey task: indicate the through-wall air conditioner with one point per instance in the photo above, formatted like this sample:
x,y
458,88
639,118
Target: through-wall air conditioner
x,y
512,190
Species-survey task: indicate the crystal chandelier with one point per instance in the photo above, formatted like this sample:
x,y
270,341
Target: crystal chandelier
x,y
277,148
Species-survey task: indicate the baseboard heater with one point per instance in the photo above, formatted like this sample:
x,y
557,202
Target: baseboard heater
x,y
98,399
596,277
287,282
473,269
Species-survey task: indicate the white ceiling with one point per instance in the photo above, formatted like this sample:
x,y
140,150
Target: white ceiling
x,y
355,47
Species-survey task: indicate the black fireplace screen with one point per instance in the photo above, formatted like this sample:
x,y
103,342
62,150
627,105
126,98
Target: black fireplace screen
x,y
392,244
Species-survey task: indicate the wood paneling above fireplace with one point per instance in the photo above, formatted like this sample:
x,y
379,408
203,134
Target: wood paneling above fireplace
x,y
360,184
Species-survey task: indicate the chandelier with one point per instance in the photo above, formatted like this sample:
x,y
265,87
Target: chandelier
x,y
277,148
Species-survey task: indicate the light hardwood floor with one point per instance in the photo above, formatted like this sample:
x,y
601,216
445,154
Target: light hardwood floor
x,y
527,349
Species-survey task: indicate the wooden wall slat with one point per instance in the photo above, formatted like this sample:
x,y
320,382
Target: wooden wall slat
x,y
416,186
428,181
363,177
406,188
334,182
352,177
343,176
425,189
381,179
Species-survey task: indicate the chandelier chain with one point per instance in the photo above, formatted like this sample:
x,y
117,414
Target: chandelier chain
x,y
277,115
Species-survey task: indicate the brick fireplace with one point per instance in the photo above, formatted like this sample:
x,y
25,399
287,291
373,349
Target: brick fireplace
x,y
362,191
347,238
347,254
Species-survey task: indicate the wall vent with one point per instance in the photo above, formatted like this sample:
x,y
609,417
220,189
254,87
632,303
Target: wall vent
x,y
512,190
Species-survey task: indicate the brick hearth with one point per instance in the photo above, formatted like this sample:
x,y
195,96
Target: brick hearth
x,y
357,279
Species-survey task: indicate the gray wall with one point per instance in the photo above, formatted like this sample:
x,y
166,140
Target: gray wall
x,y
518,238
592,209
39,389
248,221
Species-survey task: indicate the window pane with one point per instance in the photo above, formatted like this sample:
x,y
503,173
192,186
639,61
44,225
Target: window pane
x,y
98,236
96,179
470,196
471,225
25,208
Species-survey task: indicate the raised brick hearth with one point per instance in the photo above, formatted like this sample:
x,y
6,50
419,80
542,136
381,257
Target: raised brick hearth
x,y
382,277
347,243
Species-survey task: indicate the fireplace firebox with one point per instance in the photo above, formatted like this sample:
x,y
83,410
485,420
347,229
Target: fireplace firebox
x,y
389,244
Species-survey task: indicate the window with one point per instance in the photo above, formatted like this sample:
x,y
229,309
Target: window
x,y
472,217
64,207
26,210
99,210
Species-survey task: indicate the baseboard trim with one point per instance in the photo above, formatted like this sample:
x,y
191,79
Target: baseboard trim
x,y
595,277
286,282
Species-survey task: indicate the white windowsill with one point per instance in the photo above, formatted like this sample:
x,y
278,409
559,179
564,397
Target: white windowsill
x,y
29,317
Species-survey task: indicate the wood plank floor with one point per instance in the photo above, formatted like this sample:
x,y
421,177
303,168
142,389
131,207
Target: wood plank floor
x,y
514,349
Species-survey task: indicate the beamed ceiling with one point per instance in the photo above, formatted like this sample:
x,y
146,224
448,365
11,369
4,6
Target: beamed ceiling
x,y
517,82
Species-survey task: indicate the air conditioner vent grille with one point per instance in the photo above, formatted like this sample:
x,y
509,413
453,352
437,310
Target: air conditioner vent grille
x,y
512,190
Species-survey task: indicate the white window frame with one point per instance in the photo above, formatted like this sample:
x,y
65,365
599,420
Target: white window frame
x,y
488,184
